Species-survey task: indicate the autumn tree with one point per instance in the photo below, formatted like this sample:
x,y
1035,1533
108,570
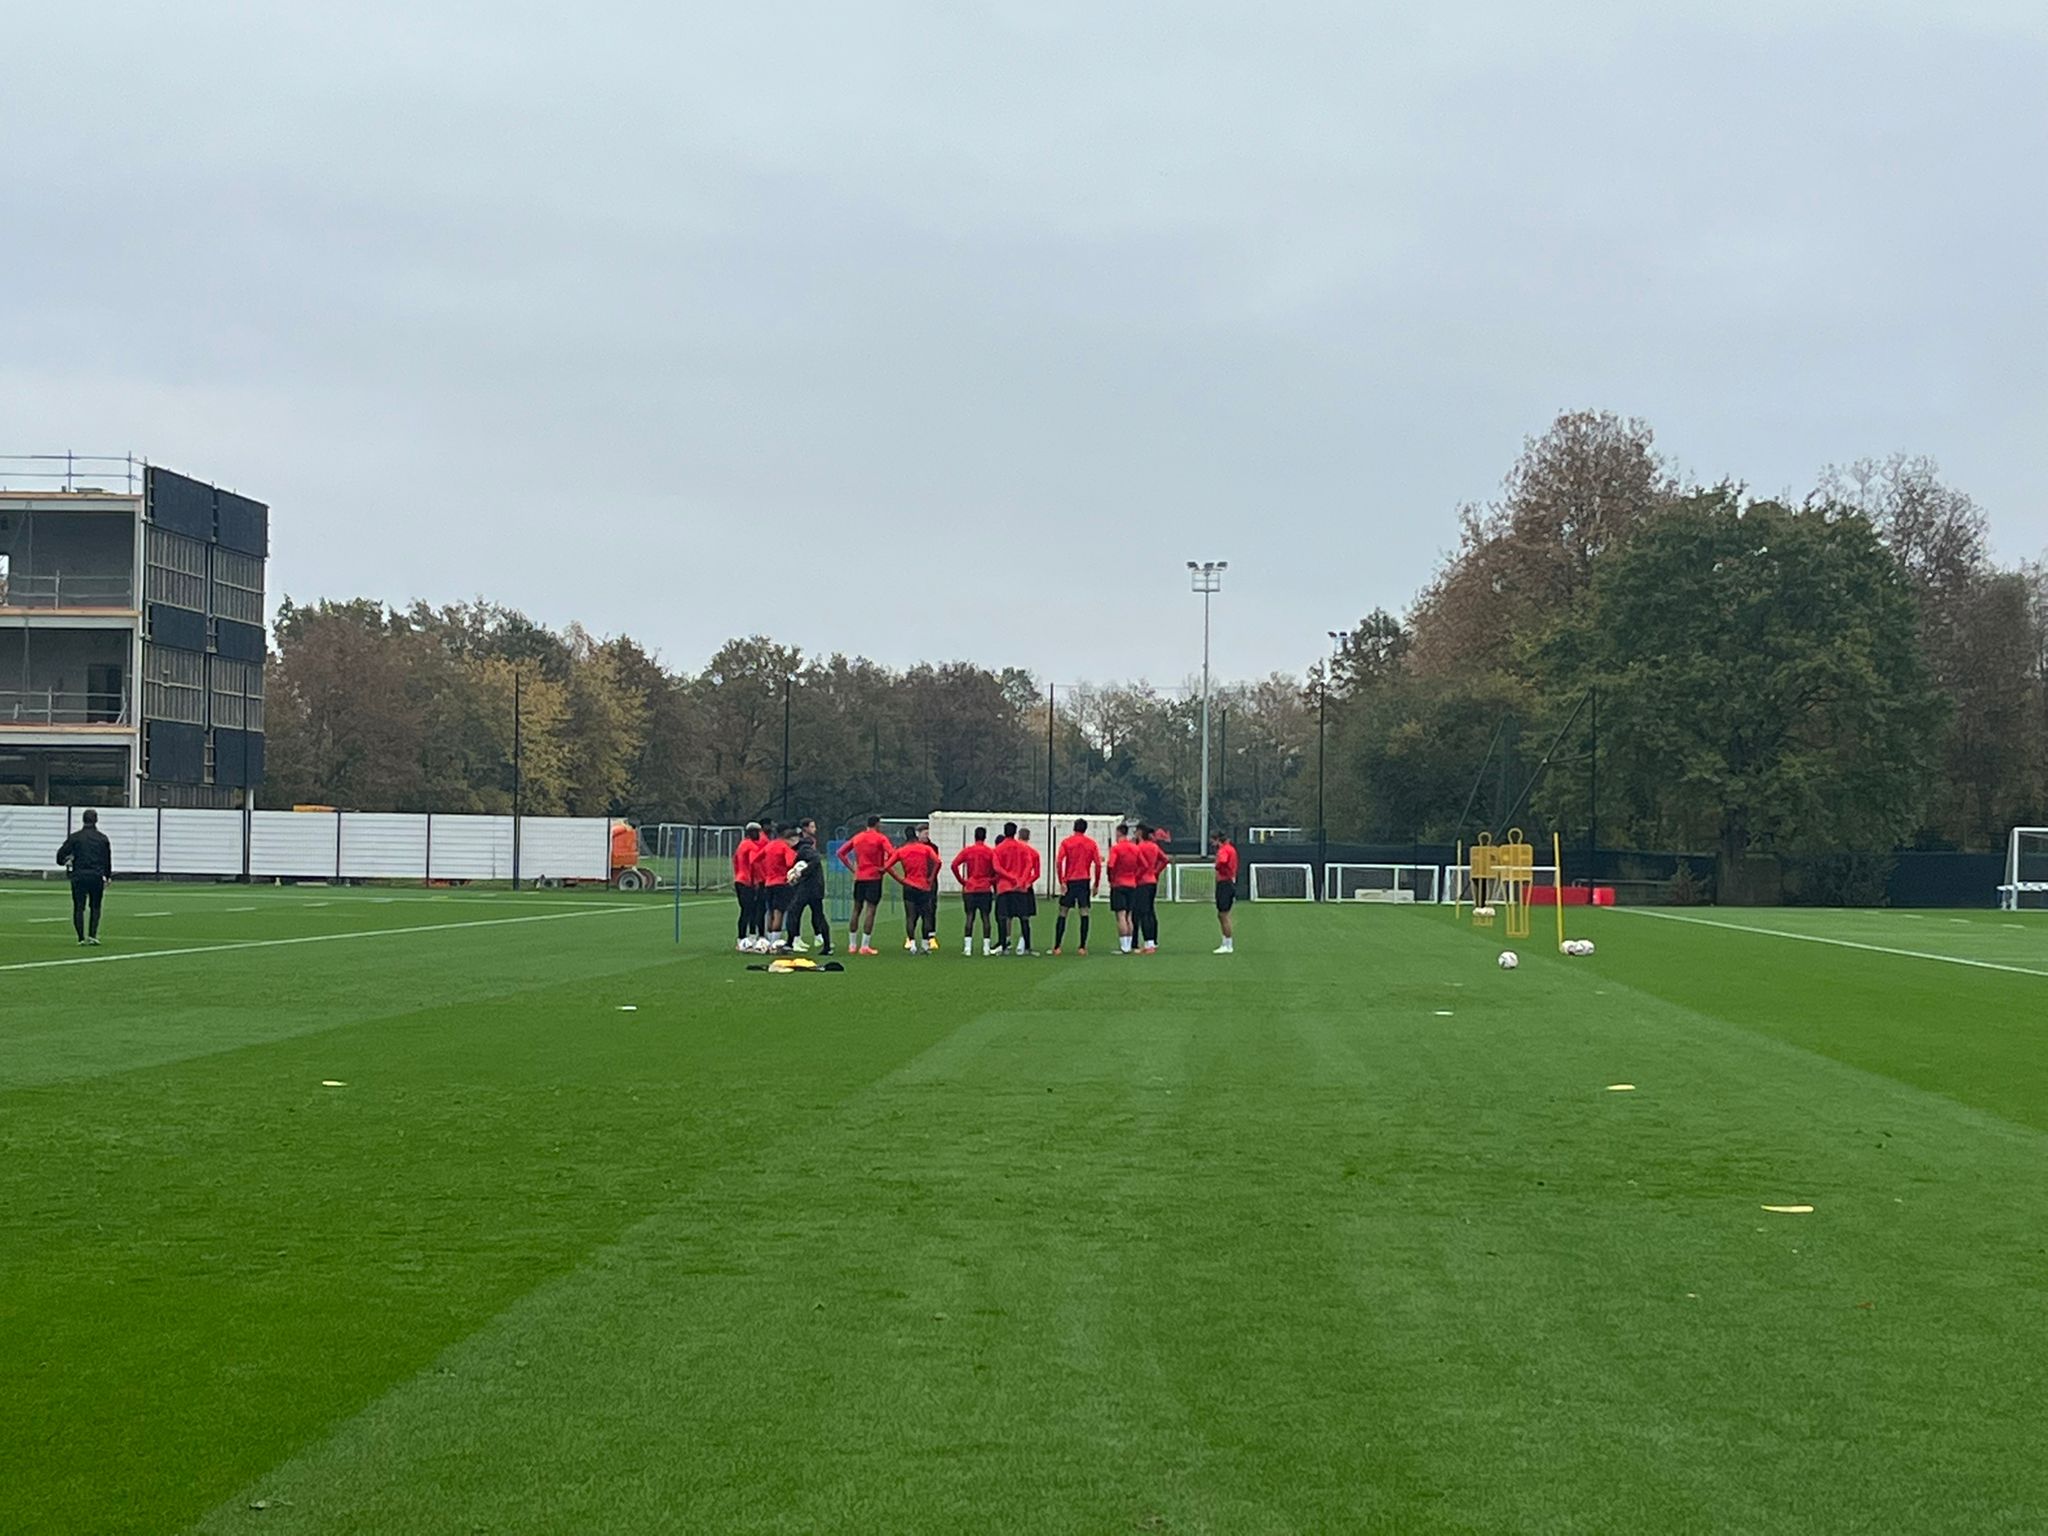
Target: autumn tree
x,y
1760,670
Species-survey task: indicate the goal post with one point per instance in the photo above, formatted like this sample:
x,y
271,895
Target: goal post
x,y
1282,882
2025,888
1399,883
1194,880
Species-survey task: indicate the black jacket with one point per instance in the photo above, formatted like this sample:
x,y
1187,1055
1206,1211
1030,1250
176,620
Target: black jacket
x,y
813,860
87,853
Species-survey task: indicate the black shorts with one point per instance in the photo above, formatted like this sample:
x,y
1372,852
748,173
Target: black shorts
x,y
1078,894
978,903
749,895
865,891
778,897
1120,898
1148,898
1226,895
918,903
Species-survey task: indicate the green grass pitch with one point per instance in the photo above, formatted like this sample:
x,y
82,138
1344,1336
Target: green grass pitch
x,y
1346,1232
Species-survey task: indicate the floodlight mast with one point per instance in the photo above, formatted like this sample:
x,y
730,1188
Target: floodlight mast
x,y
1322,732
1206,577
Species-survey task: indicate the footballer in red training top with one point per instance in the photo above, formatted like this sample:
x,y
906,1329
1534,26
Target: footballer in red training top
x,y
867,853
772,864
1124,863
1145,907
920,863
1080,871
746,884
975,868
1226,888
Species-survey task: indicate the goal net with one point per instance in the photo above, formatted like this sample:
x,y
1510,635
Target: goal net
x,y
1191,881
1382,882
1456,884
1282,882
2026,871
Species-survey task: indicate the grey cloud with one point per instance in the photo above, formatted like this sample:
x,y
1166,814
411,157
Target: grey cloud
x,y
993,316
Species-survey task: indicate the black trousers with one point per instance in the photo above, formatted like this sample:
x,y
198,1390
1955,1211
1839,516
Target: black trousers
x,y
1145,914
803,900
753,909
87,891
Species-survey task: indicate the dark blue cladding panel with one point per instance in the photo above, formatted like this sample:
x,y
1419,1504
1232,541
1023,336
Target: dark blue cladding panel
x,y
230,764
180,505
173,752
243,524
238,642
180,628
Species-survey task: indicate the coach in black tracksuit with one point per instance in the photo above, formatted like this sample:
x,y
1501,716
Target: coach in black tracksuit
x,y
90,858
808,894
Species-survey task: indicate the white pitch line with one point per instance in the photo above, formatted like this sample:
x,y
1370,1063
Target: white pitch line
x,y
328,938
1814,938
149,914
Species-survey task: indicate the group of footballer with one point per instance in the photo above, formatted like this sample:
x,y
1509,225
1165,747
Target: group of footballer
x,y
778,875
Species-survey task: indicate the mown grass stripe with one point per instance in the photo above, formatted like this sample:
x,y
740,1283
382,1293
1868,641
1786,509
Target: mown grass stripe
x,y
317,938
1816,938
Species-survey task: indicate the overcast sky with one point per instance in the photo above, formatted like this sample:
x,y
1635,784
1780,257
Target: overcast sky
x,y
953,330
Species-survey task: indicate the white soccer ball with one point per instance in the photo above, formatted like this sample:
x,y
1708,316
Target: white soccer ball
x,y
1509,959
1585,946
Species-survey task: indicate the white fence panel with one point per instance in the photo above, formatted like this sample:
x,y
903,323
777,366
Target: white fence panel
x,y
473,848
132,834
200,843
29,835
377,845
292,843
564,848
954,830
317,845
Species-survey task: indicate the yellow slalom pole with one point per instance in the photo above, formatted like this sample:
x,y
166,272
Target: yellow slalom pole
x,y
1557,859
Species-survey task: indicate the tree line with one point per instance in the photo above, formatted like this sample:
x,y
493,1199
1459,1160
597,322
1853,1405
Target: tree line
x,y
376,708
1608,651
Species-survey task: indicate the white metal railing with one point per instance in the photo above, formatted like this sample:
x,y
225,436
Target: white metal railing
x,y
50,706
67,590
71,471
